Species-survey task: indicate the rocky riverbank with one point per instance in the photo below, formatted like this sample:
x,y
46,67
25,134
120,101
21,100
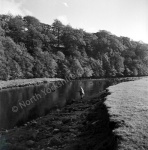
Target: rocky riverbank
x,y
80,125
25,82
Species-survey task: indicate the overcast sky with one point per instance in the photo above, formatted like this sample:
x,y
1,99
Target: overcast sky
x,y
120,17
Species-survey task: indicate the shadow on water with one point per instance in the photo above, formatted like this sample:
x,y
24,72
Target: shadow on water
x,y
29,110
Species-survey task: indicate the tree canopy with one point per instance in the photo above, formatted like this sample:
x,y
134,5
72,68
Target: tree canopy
x,y
30,49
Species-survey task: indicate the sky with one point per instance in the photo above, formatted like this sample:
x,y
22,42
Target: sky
x,y
120,17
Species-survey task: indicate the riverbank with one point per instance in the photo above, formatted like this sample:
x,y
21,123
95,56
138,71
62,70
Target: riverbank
x,y
79,125
25,82
128,105
37,81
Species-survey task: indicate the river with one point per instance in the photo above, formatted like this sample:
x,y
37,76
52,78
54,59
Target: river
x,y
19,105
128,105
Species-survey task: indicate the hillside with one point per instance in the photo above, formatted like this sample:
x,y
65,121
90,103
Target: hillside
x,y
31,49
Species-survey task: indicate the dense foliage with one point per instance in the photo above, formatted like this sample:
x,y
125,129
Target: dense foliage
x,y
31,49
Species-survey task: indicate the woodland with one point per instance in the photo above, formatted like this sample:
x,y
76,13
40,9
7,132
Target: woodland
x,y
31,49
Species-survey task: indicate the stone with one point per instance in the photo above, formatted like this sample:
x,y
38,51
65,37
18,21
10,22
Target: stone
x,y
66,120
73,130
30,143
72,147
65,129
56,130
54,142
34,135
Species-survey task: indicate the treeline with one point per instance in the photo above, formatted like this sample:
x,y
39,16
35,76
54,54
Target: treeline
x,y
31,49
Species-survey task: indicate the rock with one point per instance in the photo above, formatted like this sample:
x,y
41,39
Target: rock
x,y
48,148
73,130
30,143
47,122
6,131
65,129
70,109
80,127
72,147
33,123
56,130
54,142
34,135
13,147
57,124
66,120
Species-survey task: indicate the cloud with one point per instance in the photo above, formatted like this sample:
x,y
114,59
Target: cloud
x,y
65,4
63,19
13,7
91,29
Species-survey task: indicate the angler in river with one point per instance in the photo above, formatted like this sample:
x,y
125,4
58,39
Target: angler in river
x,y
82,93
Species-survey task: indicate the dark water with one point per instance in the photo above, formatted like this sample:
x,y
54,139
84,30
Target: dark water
x,y
34,101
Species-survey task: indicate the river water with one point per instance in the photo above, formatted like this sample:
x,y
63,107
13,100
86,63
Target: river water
x,y
128,105
19,105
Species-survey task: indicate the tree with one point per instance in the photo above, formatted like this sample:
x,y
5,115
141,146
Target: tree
x,y
76,68
2,32
15,71
96,67
106,65
4,75
63,70
142,50
72,38
88,72
119,63
34,39
29,48
16,27
51,65
30,20
38,69
91,41
57,27
60,55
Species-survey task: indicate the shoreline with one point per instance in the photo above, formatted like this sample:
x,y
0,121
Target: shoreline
x,y
79,125
26,82
37,81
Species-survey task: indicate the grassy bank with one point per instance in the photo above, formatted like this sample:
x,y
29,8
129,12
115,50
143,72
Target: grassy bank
x,y
80,125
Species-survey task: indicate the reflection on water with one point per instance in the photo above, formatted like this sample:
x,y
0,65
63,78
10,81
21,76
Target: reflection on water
x,y
44,103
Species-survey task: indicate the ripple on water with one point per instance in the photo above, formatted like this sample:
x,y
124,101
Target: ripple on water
x,y
128,103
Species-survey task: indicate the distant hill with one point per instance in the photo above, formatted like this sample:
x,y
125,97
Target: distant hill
x,y
31,49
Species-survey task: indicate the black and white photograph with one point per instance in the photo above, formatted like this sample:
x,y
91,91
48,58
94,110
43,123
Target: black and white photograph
x,y
73,74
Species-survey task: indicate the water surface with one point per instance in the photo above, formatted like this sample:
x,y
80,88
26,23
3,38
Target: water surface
x,y
30,108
